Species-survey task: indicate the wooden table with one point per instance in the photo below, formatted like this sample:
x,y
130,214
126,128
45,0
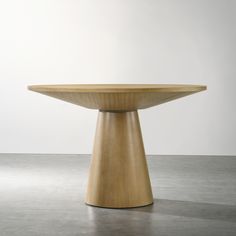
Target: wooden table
x,y
118,175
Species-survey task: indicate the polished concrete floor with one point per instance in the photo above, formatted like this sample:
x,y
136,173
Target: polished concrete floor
x,y
43,195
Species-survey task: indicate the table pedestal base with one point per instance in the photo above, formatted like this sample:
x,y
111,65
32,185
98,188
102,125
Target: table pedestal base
x,y
118,172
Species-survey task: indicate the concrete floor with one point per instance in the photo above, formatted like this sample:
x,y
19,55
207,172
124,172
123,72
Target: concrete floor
x,y
43,195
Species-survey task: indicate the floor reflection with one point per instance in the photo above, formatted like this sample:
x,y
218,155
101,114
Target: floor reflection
x,y
119,221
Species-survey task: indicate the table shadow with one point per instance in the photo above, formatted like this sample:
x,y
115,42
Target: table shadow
x,y
191,209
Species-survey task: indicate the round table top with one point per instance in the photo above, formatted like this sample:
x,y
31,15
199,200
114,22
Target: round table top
x,y
102,88
117,97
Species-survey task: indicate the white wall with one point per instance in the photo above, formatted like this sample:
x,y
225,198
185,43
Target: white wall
x,y
118,41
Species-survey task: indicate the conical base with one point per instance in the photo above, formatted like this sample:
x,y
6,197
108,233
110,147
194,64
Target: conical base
x,y
118,172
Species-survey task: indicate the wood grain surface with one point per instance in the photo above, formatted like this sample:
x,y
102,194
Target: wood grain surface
x,y
117,97
118,172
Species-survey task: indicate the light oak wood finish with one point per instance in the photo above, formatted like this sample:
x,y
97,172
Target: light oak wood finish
x,y
118,173
123,97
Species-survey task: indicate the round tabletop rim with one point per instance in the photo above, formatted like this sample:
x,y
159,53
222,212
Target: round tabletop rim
x,y
116,88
